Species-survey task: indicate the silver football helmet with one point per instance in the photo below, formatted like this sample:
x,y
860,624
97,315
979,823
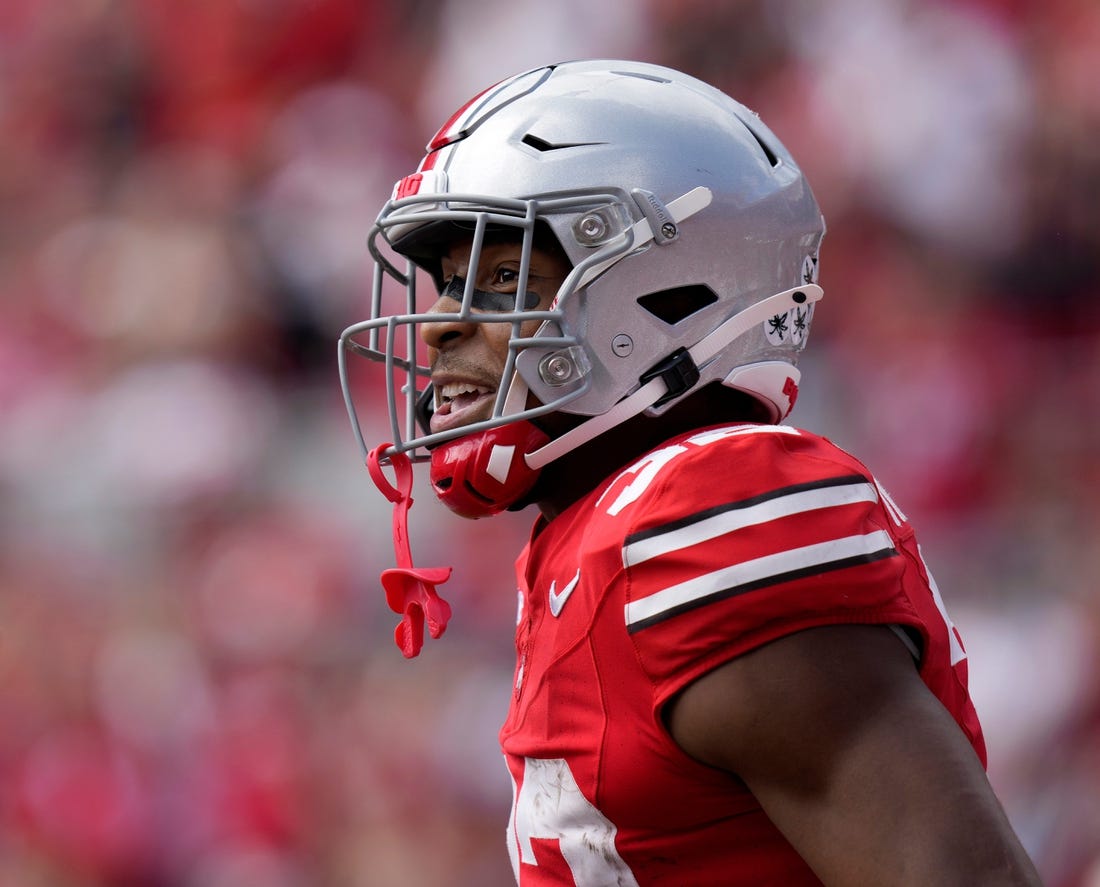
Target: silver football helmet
x,y
693,239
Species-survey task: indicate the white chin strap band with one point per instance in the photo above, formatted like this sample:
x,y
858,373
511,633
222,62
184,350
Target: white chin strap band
x,y
653,390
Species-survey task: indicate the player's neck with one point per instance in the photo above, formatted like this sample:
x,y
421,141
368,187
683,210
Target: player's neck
x,y
575,474
567,479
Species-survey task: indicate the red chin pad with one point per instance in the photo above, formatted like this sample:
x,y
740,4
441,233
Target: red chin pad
x,y
482,474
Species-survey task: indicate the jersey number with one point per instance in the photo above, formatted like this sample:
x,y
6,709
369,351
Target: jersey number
x,y
550,805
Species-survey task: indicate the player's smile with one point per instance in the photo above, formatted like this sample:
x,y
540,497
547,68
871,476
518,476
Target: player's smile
x,y
460,402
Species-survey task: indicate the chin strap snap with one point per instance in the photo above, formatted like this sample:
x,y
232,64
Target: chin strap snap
x,y
410,591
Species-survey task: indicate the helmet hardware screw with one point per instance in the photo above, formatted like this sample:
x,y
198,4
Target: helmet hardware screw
x,y
622,345
668,229
556,370
593,227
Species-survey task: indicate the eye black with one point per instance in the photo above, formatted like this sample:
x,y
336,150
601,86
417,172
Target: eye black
x,y
486,300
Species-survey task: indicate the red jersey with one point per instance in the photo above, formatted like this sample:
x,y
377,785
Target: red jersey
x,y
717,542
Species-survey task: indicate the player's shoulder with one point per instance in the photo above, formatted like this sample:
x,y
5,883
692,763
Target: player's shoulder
x,y
727,463
774,445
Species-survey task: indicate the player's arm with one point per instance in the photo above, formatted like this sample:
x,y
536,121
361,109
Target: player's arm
x,y
854,760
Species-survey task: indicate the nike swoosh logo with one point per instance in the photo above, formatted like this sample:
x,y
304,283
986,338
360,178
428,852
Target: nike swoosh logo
x,y
558,598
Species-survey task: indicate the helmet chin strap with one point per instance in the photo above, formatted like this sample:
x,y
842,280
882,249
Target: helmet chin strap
x,y
656,388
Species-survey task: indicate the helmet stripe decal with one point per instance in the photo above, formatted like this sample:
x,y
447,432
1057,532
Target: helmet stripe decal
x,y
452,130
485,103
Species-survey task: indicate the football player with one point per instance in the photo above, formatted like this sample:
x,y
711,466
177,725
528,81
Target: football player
x,y
733,666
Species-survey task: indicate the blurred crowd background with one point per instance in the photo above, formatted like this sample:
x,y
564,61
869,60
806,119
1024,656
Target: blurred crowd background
x,y
198,684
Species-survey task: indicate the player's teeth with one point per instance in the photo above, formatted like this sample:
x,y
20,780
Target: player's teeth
x,y
454,390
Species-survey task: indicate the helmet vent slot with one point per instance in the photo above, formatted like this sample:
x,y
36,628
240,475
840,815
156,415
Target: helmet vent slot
x,y
641,75
773,159
533,141
537,143
674,305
